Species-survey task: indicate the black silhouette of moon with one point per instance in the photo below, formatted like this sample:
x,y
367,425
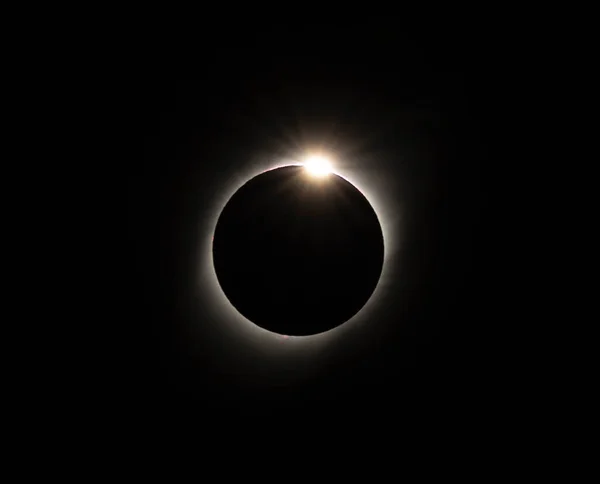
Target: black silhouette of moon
x,y
296,254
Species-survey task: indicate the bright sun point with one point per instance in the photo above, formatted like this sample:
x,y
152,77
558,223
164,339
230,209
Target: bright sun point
x,y
318,166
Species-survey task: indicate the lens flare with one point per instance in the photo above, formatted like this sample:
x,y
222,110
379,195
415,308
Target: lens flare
x,y
318,166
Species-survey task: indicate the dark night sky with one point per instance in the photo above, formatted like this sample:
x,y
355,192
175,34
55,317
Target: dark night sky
x,y
409,115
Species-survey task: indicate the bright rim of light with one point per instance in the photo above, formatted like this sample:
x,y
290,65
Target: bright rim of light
x,y
368,182
318,166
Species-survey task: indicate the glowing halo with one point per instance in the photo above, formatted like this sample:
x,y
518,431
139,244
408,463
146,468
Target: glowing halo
x,y
371,184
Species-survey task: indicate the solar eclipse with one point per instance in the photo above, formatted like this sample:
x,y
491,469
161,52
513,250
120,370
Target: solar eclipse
x,y
296,257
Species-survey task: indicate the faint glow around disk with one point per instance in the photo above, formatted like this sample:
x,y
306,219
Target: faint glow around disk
x,y
318,166
366,181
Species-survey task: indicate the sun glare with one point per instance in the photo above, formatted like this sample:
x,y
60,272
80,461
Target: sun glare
x,y
318,166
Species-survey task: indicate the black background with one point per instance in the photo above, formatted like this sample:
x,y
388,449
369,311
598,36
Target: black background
x,y
195,112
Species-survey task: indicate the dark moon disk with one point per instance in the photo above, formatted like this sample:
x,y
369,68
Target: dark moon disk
x,y
297,254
